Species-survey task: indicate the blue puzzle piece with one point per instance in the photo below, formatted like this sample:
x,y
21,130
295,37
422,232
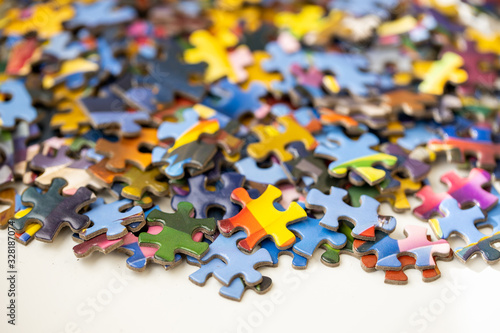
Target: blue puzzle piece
x,y
237,262
101,13
18,107
138,261
353,154
128,121
347,69
312,235
415,136
203,199
303,115
364,218
250,169
465,223
298,261
380,8
194,154
107,60
60,47
170,130
230,100
142,97
172,77
234,291
107,218
282,62
233,101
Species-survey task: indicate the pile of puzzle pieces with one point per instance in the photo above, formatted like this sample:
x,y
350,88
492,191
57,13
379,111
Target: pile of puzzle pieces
x,y
271,127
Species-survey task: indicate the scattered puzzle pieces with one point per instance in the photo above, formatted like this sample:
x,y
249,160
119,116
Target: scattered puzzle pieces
x,y
416,245
464,190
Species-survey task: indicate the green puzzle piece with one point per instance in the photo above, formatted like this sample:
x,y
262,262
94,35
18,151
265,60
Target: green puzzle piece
x,y
331,257
176,235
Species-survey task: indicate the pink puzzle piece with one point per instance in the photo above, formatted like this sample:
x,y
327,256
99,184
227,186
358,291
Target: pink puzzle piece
x,y
464,190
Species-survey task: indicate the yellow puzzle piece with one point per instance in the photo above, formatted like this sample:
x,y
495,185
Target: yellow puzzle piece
x,y
309,20
46,19
275,141
208,48
436,74
257,74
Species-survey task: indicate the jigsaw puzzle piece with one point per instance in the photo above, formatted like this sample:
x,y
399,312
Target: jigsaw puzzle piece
x,y
312,235
331,256
347,69
465,223
203,199
260,219
18,107
281,62
380,8
486,151
101,13
365,218
436,74
353,154
127,150
53,211
252,172
111,219
196,155
171,77
237,287
416,136
176,234
237,263
275,141
208,48
298,261
230,100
